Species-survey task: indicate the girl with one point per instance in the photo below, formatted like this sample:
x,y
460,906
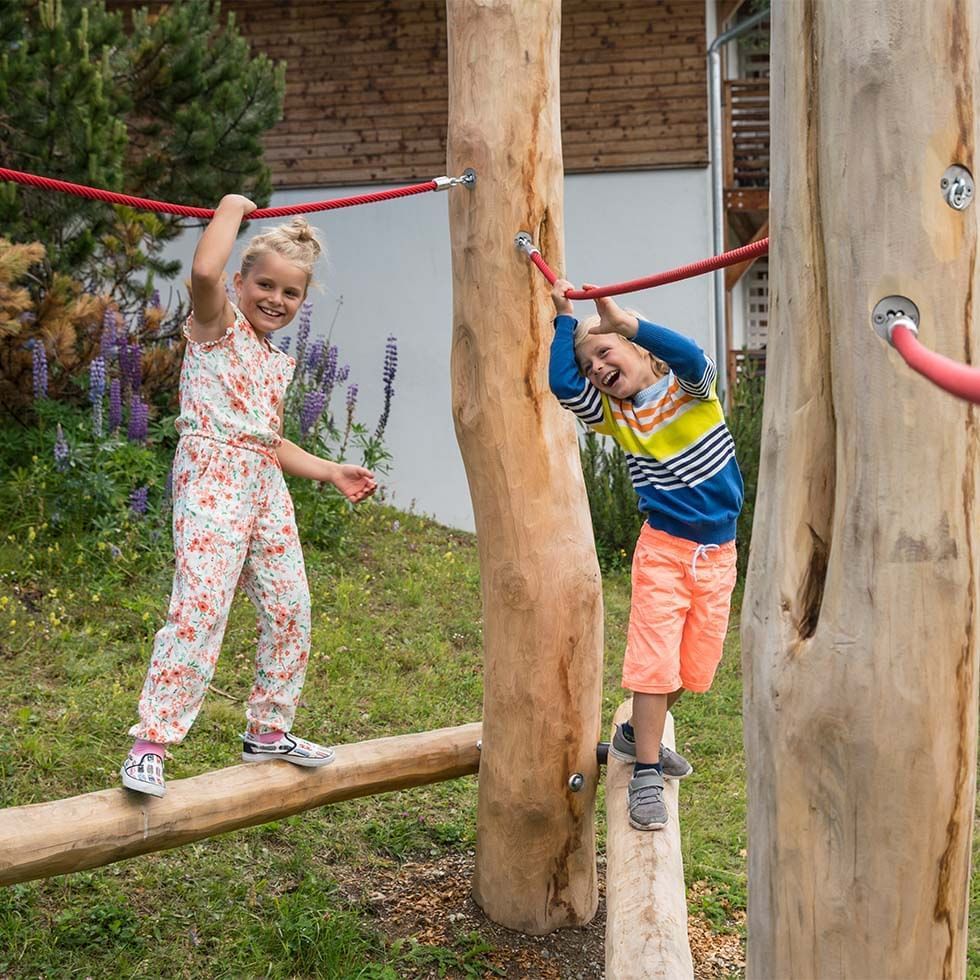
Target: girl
x,y
233,518
653,391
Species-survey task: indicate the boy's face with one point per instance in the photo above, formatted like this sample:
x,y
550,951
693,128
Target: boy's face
x,y
614,365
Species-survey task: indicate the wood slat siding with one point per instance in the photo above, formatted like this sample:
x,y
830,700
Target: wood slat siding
x,y
367,89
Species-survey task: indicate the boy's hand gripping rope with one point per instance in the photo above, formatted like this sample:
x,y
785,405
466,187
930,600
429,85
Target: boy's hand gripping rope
x,y
524,242
468,178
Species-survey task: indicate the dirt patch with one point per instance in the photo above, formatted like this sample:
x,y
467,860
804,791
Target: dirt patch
x,y
430,902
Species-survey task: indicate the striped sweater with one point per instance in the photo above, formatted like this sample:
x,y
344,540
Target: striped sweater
x,y
680,453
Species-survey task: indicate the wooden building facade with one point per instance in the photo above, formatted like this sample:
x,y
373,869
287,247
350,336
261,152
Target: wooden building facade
x,y
367,89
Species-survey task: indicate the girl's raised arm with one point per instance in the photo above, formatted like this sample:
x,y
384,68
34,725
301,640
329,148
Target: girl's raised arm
x,y
212,311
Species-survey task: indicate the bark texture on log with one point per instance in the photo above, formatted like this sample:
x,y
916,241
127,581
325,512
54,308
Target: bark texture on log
x,y
45,839
859,627
646,901
542,600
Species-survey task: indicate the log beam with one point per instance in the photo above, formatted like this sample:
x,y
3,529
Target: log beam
x,y
542,596
646,901
45,839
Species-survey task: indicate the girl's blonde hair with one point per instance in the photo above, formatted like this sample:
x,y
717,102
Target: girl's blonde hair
x,y
583,327
296,241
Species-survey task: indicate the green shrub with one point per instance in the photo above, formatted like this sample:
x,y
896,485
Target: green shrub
x,y
745,423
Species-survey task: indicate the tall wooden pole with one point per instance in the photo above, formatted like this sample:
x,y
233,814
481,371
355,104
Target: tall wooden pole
x,y
860,619
542,602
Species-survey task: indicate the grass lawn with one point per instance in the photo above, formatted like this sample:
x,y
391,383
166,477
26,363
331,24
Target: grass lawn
x,y
396,649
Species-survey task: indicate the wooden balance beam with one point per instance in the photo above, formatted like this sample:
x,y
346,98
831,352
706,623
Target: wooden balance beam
x,y
646,902
45,839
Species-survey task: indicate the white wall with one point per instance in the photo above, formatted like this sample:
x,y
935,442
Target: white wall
x,y
391,263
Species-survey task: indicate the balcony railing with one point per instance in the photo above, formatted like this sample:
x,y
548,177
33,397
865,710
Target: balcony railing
x,y
746,139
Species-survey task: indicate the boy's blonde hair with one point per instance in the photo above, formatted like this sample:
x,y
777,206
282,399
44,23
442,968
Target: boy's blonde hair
x,y
296,241
583,327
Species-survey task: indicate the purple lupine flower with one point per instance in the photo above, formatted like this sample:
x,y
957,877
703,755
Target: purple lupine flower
x,y
96,379
139,419
96,392
313,405
168,489
351,398
130,358
138,500
115,404
40,371
303,331
343,374
155,300
107,346
329,369
391,363
315,357
284,344
60,450
388,372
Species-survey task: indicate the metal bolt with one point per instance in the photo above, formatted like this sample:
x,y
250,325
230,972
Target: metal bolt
x,y
957,187
576,781
889,309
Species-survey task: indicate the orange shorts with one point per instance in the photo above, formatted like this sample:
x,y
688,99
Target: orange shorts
x,y
679,613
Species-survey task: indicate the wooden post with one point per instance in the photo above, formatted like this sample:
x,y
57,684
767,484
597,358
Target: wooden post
x,y
646,901
45,839
859,628
542,602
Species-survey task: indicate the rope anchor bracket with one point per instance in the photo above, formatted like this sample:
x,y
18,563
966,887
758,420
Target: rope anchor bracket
x,y
957,187
467,179
525,243
889,311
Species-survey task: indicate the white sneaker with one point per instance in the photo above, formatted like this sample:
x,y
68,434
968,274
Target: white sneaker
x,y
145,774
298,751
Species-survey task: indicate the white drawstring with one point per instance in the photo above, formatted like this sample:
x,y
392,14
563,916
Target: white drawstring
x,y
700,552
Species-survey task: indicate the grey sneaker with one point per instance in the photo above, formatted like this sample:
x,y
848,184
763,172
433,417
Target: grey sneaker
x,y
298,751
645,794
674,765
144,775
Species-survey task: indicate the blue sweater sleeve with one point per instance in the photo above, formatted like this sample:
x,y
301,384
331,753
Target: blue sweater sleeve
x,y
564,377
573,391
694,370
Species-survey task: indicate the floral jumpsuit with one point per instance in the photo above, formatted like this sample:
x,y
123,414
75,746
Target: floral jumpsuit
x,y
233,523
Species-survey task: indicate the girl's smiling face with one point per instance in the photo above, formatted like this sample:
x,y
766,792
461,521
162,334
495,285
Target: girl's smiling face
x,y
616,366
271,293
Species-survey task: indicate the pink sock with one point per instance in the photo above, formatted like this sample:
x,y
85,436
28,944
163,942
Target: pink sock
x,y
267,738
140,748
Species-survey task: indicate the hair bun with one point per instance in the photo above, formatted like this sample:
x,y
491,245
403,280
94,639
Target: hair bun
x,y
303,233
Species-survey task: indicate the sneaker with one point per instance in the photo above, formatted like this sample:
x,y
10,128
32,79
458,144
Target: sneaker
x,y
674,765
645,795
298,751
145,774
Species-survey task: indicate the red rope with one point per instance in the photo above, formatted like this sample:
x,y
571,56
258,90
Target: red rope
x,y
958,379
761,247
148,204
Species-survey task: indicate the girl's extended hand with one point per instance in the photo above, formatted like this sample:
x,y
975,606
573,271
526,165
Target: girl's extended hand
x,y
563,305
613,318
355,482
